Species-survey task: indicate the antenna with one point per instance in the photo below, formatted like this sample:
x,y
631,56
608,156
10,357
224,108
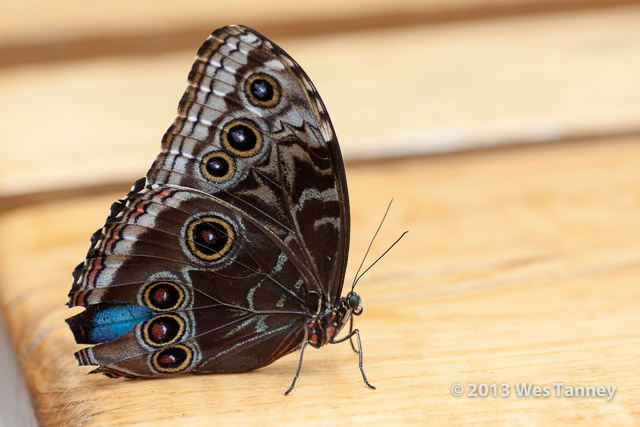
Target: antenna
x,y
358,275
370,244
379,258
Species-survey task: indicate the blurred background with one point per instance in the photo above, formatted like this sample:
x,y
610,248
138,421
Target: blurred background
x,y
87,89
81,84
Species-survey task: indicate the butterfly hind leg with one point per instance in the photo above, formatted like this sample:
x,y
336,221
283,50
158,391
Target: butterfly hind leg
x,y
295,376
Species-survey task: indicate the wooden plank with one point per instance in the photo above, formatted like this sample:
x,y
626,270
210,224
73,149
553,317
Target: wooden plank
x,y
520,266
393,92
70,29
15,404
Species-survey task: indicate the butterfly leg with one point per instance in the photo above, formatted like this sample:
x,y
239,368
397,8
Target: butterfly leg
x,y
351,335
348,337
295,377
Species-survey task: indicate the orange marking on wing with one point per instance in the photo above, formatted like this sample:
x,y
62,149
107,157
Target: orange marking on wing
x,y
139,211
113,239
94,271
281,352
164,194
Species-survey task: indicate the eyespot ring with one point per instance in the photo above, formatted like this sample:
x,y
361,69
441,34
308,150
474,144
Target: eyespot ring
x,y
171,360
218,167
262,90
242,138
163,296
209,238
163,330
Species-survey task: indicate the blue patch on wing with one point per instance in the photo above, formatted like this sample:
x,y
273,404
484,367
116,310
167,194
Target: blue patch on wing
x,y
116,320
106,322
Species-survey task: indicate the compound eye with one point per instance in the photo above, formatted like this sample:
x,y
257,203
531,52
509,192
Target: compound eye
x,y
355,303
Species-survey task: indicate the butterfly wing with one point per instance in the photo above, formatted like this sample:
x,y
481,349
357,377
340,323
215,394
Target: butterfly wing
x,y
176,270
207,264
253,131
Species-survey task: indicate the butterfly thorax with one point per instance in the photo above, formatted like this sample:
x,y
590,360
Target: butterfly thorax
x,y
330,319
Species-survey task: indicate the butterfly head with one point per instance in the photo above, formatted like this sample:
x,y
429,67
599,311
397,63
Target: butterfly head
x,y
354,303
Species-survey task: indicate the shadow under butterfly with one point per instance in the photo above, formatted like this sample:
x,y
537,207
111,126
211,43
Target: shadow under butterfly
x,y
231,252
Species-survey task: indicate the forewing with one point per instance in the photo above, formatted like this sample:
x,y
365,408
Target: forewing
x,y
277,160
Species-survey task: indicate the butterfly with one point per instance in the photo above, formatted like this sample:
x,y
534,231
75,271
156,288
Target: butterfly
x,y
231,252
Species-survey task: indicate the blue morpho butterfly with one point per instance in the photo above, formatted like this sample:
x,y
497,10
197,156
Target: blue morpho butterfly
x,y
231,252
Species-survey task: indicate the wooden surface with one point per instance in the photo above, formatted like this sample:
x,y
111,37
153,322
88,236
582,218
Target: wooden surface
x,y
522,260
520,265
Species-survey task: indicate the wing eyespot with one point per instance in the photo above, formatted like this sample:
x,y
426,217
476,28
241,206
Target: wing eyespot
x,y
163,330
172,360
163,296
262,90
242,138
209,238
218,167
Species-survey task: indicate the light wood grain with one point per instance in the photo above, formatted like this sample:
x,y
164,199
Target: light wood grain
x,y
521,265
391,92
